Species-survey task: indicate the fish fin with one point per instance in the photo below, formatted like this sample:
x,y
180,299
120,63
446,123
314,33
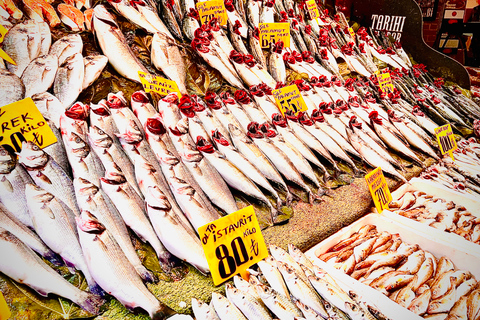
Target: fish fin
x,y
163,313
96,290
54,258
146,275
92,304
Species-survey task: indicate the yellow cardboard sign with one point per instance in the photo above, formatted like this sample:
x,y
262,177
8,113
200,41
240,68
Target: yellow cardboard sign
x,y
289,98
352,34
213,8
312,9
4,310
3,55
22,121
384,81
158,84
271,33
232,244
378,189
446,139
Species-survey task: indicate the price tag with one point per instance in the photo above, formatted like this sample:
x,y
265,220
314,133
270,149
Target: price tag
x,y
312,9
270,33
352,34
158,84
289,98
378,189
232,244
214,8
3,54
4,310
446,139
22,121
384,81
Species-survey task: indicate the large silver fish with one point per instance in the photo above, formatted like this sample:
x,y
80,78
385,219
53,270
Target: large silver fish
x,y
278,303
39,75
49,106
24,266
12,87
203,311
112,270
94,66
225,309
69,80
66,47
249,306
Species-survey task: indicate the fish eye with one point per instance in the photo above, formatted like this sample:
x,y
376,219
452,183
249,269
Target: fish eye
x,y
3,152
100,131
78,140
35,147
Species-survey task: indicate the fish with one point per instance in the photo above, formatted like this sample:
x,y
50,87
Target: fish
x,y
71,17
69,80
443,303
48,175
12,86
420,304
225,309
255,48
208,119
356,313
101,117
94,65
166,57
413,263
174,230
112,270
39,75
40,11
473,305
425,272
277,303
11,9
23,263
94,200
308,313
459,309
270,271
74,120
141,106
248,305
49,106
114,46
66,46
203,311
57,229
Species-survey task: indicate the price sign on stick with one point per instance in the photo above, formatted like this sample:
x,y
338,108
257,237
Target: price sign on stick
x,y
4,310
289,98
22,121
378,189
384,81
446,140
312,9
3,55
210,9
271,33
232,244
158,84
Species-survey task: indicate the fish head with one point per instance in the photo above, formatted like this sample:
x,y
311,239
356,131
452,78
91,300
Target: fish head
x,y
8,161
88,223
101,109
116,100
204,146
32,156
156,199
84,187
263,291
99,138
190,153
101,15
234,130
199,307
113,174
77,146
138,100
219,138
352,307
37,194
132,134
155,126
287,272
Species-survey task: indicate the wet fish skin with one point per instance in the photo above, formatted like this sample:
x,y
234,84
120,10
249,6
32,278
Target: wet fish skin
x,y
94,65
112,270
357,313
249,306
23,265
66,47
49,106
69,80
57,150
12,88
225,309
273,275
39,75
203,311
278,303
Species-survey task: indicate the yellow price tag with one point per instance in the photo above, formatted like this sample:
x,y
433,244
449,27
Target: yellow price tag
x,y
214,8
271,33
4,310
289,98
312,9
158,84
3,55
352,34
378,189
446,140
232,244
384,81
22,121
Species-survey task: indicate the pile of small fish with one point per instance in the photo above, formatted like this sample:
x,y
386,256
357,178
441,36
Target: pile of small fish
x,y
41,65
286,286
414,278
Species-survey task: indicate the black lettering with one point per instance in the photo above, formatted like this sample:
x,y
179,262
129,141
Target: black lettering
x,y
5,127
2,112
15,121
25,117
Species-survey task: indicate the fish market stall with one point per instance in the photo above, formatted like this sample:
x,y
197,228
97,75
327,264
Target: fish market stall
x,y
128,126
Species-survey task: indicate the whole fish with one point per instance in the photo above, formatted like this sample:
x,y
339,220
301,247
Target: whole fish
x,y
270,271
39,75
56,228
174,230
356,313
68,82
141,106
170,13
12,86
92,199
48,175
24,266
112,270
57,150
278,303
10,223
255,48
275,63
308,312
209,121
203,311
94,65
225,309
101,117
114,46
249,306
66,47
49,106
71,16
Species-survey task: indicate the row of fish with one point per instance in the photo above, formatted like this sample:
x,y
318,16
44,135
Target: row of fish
x,y
286,286
41,65
414,278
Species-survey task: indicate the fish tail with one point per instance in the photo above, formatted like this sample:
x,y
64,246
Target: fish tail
x,y
92,304
146,275
289,198
54,258
280,203
162,313
96,289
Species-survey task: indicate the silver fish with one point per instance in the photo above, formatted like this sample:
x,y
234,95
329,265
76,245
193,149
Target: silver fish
x,y
112,270
101,117
57,150
56,228
270,271
46,37
94,66
22,262
249,306
308,312
356,313
66,47
255,48
275,64
279,304
49,106
203,311
225,309
39,75
69,80
141,106
12,86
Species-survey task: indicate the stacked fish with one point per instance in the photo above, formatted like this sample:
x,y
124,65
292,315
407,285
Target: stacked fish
x,y
287,286
410,276
41,65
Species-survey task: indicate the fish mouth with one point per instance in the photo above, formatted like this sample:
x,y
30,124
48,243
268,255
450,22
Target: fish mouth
x,y
140,97
78,111
203,145
218,137
116,101
155,126
89,224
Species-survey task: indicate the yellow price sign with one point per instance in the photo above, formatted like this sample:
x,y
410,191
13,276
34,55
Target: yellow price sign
x,y
352,34
312,9
210,9
378,189
232,244
271,33
22,121
4,310
384,81
158,84
3,55
446,139
289,98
